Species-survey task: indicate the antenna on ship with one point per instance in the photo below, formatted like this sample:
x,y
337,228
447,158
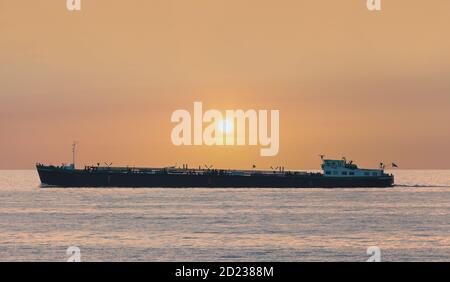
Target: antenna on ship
x,y
74,151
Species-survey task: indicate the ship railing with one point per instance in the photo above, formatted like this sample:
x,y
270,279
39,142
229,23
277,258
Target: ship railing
x,y
184,171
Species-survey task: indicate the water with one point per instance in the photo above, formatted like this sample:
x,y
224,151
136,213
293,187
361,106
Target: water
x,y
408,223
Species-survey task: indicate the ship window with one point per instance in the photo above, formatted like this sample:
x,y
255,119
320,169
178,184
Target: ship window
x,y
335,172
327,172
374,173
366,173
344,173
352,173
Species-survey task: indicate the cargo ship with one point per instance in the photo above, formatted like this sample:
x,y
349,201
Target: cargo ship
x,y
336,173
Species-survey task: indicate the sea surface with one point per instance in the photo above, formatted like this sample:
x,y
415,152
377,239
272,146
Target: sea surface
x,y
410,222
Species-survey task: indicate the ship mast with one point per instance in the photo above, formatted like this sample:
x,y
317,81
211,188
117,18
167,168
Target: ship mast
x,y
74,150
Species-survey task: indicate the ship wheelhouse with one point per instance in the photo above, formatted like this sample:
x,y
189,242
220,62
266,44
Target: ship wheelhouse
x,y
343,168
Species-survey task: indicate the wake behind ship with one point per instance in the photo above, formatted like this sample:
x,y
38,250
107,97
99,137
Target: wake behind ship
x,y
335,174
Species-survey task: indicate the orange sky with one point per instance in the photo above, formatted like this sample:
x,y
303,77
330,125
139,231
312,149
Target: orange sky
x,y
373,86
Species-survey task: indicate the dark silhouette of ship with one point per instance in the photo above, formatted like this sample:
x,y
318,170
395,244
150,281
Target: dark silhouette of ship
x,y
335,174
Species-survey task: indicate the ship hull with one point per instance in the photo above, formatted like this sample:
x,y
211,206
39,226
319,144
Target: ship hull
x,y
58,177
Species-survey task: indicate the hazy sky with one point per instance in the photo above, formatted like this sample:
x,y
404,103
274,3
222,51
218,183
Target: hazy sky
x,y
373,86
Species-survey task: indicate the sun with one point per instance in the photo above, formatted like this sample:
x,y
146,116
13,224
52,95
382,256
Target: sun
x,y
225,126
